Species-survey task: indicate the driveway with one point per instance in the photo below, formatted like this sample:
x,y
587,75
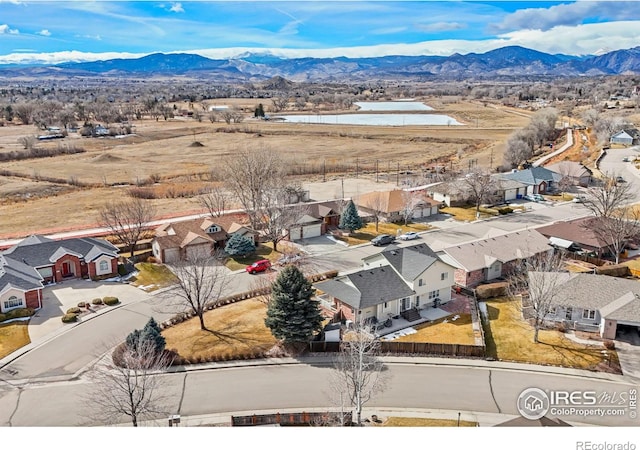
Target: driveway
x,y
57,299
628,348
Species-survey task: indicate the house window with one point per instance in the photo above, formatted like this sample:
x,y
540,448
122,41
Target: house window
x,y
444,276
417,301
568,313
420,282
552,311
104,266
434,294
588,314
12,302
213,229
385,305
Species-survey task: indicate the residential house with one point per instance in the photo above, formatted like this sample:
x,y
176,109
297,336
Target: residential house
x,y
35,261
20,285
613,311
178,241
450,193
485,260
537,179
508,190
396,282
319,218
577,235
628,136
389,205
579,174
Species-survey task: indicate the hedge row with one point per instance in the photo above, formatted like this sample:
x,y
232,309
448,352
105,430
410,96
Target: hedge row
x,y
74,311
246,355
17,313
491,290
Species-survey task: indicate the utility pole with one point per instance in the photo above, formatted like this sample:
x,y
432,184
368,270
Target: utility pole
x,y
376,170
324,170
356,167
342,187
491,160
398,176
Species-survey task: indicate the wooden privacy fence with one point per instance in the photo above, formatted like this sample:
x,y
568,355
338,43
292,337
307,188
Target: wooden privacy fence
x,y
426,348
286,419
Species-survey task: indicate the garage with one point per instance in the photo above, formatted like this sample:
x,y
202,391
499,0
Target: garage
x,y
307,227
198,250
628,332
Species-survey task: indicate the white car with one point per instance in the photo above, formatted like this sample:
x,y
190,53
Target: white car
x,y
408,236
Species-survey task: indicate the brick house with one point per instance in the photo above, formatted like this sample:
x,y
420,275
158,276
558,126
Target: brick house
x,y
35,261
488,259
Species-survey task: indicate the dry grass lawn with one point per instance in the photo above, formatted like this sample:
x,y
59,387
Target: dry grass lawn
x,y
235,330
368,232
459,331
166,150
424,422
13,336
510,338
466,214
153,276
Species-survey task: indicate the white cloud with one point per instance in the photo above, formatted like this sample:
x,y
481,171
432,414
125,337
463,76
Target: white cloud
x,y
5,29
567,14
61,57
176,7
442,26
44,32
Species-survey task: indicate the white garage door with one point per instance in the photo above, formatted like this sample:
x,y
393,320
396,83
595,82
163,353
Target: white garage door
x,y
199,250
313,230
294,233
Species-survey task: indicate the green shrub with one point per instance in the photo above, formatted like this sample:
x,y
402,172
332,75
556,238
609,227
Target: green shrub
x,y
505,210
82,305
491,290
96,301
122,271
110,301
493,212
69,318
17,313
74,310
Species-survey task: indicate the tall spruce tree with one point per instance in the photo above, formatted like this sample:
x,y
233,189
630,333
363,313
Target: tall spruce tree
x,y
349,219
293,316
149,334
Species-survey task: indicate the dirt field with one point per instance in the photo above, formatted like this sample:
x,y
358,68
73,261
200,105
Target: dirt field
x,y
183,153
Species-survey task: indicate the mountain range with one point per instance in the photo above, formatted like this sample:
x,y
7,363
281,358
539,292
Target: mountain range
x,y
506,62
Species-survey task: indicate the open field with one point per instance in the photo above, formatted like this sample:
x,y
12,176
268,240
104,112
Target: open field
x,y
183,153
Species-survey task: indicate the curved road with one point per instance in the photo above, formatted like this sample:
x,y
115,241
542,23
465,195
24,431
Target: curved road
x,y
282,387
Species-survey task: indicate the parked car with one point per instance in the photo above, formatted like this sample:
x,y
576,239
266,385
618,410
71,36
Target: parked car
x,y
534,197
259,266
619,179
289,259
382,239
409,236
579,199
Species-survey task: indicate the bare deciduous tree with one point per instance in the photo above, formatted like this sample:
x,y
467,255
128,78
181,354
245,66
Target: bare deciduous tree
x,y
127,220
538,280
358,371
375,204
214,200
602,200
201,283
132,387
280,103
410,200
24,112
617,229
480,185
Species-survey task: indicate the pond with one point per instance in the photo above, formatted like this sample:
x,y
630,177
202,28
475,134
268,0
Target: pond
x,y
372,119
402,105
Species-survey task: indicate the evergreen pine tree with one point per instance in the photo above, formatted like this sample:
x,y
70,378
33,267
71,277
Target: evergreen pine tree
x,y
133,339
349,219
239,245
293,316
151,333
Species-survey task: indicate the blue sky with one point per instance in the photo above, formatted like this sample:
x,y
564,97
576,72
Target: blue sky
x,y
59,31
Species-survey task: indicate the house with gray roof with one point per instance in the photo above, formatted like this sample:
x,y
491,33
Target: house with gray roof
x,y
591,302
395,282
537,179
37,260
628,136
491,258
